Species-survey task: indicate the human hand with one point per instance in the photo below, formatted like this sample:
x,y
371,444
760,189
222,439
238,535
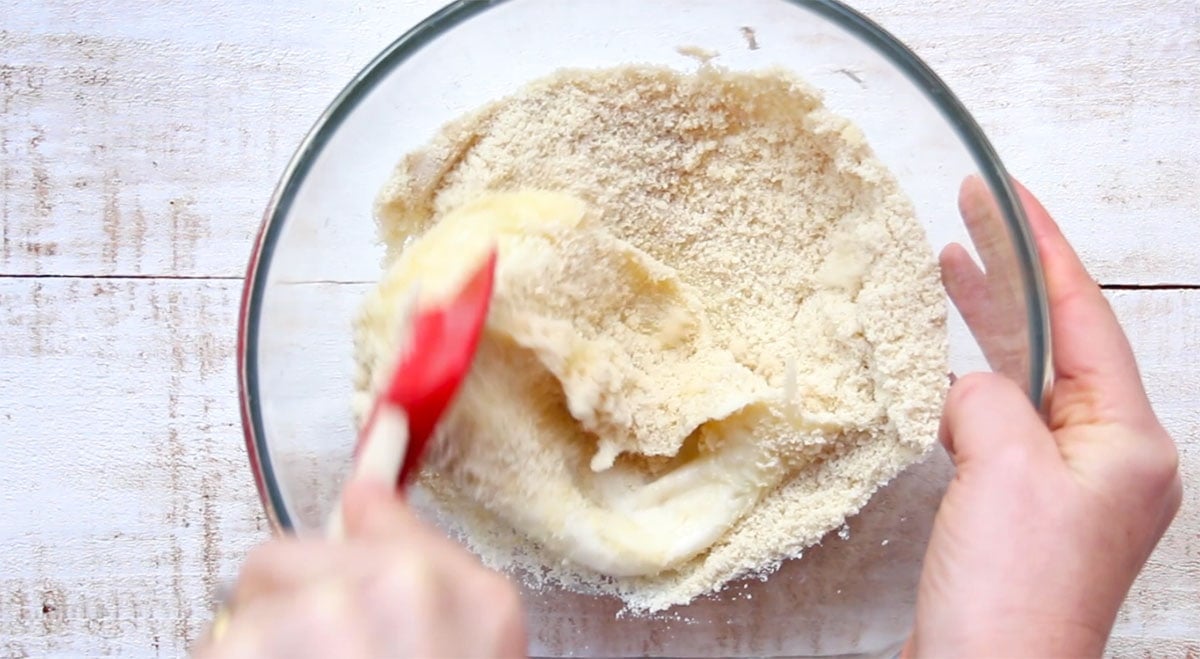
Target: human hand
x,y
394,588
1047,522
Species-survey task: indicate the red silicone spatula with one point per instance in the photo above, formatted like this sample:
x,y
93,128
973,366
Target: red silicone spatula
x,y
441,345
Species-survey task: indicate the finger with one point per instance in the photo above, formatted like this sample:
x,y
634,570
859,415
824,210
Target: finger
x,y
287,565
321,619
421,605
505,623
966,286
1000,327
996,326
374,512
1097,378
410,603
965,283
372,509
986,415
987,228
429,576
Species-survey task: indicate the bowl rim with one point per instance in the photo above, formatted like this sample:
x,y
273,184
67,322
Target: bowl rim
x,y
459,11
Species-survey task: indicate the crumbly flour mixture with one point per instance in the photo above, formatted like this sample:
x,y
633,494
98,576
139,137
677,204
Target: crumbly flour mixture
x,y
717,326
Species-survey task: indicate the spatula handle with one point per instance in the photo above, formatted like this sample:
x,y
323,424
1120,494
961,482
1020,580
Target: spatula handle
x,y
381,456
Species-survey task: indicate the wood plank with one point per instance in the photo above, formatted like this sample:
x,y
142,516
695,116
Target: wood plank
x,y
133,498
1161,617
127,494
132,145
1096,108
175,188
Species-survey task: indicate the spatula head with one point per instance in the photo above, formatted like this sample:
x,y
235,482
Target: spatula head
x,y
442,345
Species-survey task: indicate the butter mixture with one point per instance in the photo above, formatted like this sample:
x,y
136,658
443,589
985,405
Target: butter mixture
x,y
717,326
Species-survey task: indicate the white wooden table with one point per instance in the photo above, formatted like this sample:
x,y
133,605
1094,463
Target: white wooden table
x,y
139,143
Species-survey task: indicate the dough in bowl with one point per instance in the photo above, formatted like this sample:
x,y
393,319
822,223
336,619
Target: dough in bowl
x,y
717,326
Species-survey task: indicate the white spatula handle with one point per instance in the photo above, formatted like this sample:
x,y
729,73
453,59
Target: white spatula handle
x,y
380,459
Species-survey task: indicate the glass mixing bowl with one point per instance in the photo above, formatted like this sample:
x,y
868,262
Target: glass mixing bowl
x,y
317,255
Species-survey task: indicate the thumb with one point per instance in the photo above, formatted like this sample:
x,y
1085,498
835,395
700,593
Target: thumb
x,y
372,509
986,414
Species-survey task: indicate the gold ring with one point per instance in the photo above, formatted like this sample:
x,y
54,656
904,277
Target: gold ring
x,y
223,615
220,623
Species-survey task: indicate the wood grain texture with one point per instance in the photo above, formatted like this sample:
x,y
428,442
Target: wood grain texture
x,y
1162,613
1095,106
139,143
146,139
126,493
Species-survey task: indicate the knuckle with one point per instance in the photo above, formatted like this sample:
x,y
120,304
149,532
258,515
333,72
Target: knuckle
x,y
1174,498
1016,455
256,577
1163,468
1156,468
503,602
504,597
971,387
262,561
410,578
326,611
487,588
973,383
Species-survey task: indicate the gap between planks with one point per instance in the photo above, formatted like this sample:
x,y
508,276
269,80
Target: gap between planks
x,y
144,277
124,277
1150,287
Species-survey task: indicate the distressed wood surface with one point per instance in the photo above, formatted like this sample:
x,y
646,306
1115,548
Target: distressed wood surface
x,y
140,141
